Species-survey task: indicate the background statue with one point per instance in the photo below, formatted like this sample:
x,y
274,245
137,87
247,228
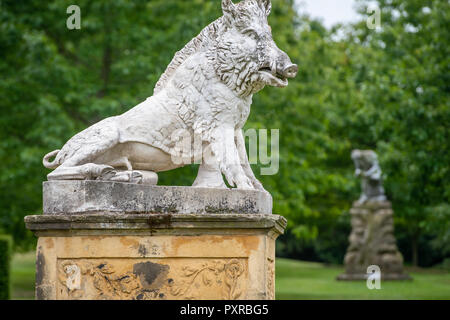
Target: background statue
x,y
367,167
206,92
372,240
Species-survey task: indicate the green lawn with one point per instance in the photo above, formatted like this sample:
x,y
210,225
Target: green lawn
x,y
308,280
22,276
295,280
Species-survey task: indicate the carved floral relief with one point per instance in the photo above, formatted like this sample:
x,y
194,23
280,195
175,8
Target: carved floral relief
x,y
131,279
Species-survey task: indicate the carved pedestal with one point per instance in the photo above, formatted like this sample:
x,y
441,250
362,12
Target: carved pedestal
x,y
143,254
372,242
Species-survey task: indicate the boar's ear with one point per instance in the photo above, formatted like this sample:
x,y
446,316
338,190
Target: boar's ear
x,y
266,5
228,8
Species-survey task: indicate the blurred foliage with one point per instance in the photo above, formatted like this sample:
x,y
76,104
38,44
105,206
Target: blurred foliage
x,y
384,89
404,84
5,266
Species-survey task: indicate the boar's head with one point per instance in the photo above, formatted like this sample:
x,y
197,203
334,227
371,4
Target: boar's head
x,y
246,56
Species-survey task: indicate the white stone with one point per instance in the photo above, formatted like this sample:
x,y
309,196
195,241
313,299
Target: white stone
x,y
81,197
206,93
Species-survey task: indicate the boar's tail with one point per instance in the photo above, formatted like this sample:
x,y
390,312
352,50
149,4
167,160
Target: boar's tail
x,y
51,165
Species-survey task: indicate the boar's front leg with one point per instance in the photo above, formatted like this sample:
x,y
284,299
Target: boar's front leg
x,y
240,144
225,151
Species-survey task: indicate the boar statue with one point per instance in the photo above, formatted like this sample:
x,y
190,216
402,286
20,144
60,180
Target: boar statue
x,y
367,167
206,92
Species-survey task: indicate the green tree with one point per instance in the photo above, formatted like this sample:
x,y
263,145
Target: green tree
x,y
403,78
56,82
384,89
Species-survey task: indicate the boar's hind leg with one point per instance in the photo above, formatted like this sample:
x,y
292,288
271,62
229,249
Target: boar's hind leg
x,y
88,171
149,177
131,176
81,166
128,175
122,162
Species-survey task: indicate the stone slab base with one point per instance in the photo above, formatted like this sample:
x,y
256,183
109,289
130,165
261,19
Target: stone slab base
x,y
156,256
372,242
76,197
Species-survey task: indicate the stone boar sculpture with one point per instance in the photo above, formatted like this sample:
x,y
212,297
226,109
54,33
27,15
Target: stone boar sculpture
x,y
206,91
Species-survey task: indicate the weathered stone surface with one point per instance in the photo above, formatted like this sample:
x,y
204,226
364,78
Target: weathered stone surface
x,y
164,256
108,233
197,112
172,224
372,242
75,197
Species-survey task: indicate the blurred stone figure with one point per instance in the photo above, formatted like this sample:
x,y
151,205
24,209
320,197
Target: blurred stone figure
x,y
372,240
367,167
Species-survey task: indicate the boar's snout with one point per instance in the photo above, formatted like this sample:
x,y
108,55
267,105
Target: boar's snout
x,y
290,71
278,68
285,67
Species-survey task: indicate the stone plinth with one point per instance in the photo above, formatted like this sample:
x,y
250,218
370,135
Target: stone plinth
x,y
372,242
113,254
74,197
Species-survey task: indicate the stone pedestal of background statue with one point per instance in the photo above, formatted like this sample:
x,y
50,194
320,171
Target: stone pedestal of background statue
x,y
372,242
106,240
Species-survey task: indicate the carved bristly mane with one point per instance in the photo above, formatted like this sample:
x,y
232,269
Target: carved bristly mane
x,y
205,38
244,83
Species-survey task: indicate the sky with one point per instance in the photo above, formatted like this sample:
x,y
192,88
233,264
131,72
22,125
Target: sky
x,y
331,11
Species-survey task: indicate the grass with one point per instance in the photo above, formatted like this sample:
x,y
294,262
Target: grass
x,y
22,276
294,280
307,280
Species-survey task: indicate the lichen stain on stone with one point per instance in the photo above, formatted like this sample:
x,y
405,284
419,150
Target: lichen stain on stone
x,y
129,242
142,250
49,243
95,238
40,273
159,220
151,275
41,293
40,267
249,243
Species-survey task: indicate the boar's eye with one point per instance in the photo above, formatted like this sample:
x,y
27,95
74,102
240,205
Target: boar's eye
x,y
251,33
